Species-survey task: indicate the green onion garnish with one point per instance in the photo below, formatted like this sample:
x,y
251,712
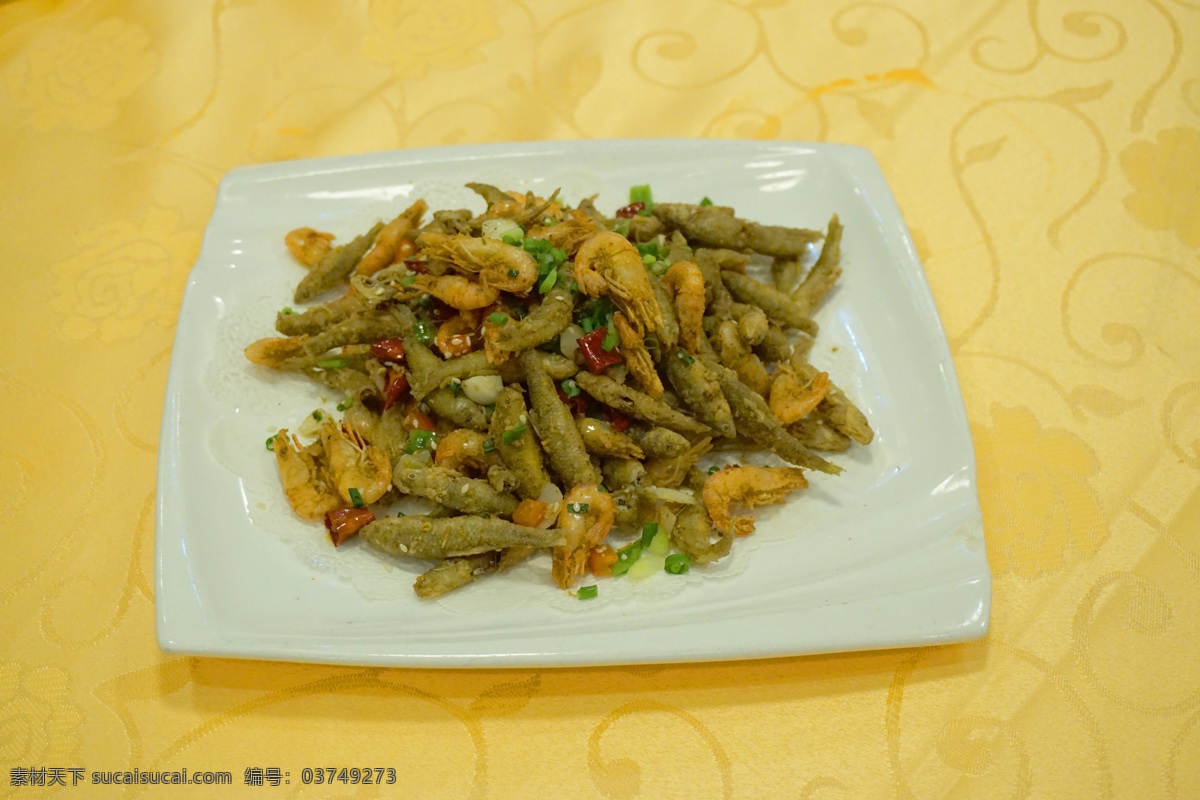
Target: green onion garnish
x,y
271,442
622,228
512,238
424,331
627,556
610,341
602,488
649,531
355,497
641,194
345,404
677,563
419,440
685,357
713,470
455,386
489,409
512,273
287,310
408,280
704,201
548,282
512,434
399,513
578,508
333,363
587,592
317,415
489,446
570,388
498,318
649,260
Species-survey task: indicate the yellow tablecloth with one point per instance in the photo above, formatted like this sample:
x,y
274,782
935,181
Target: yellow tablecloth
x,y
1046,156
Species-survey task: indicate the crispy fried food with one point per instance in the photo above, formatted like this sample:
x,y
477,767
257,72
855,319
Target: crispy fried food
x,y
749,486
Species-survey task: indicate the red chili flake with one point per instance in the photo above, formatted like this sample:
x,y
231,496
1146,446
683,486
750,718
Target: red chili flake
x,y
619,421
592,347
342,523
397,384
630,211
388,350
578,404
416,265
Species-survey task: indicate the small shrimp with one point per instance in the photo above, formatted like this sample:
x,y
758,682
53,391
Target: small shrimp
x,y
633,347
569,234
355,464
304,481
308,246
500,265
465,448
685,282
390,244
458,292
791,402
588,515
607,264
275,351
751,486
458,335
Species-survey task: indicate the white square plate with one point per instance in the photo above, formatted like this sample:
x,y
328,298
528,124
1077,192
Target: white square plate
x,y
888,554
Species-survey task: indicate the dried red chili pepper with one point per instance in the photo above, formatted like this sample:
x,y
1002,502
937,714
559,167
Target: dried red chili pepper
x,y
592,347
343,523
397,384
619,422
388,350
630,211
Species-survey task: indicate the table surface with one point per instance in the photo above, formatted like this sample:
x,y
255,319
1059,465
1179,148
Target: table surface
x,y
1046,157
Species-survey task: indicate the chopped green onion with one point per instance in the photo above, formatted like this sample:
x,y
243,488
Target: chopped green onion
x,y
559,254
649,530
548,282
287,310
419,440
587,592
685,357
627,556
659,267
622,228
570,388
512,238
641,194
704,201
651,342
333,363
408,280
399,513
649,260
489,446
355,497
610,340
677,563
534,246
456,386
578,508
512,434
498,318
601,488
317,415
345,404
271,442
645,212
512,273
713,470
489,409
424,331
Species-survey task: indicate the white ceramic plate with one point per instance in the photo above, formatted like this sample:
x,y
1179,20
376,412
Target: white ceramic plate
x,y
888,554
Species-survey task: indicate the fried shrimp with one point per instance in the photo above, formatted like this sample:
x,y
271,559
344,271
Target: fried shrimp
x,y
750,486
465,450
499,265
792,402
641,366
308,246
458,292
607,264
356,466
389,244
587,517
305,483
686,284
